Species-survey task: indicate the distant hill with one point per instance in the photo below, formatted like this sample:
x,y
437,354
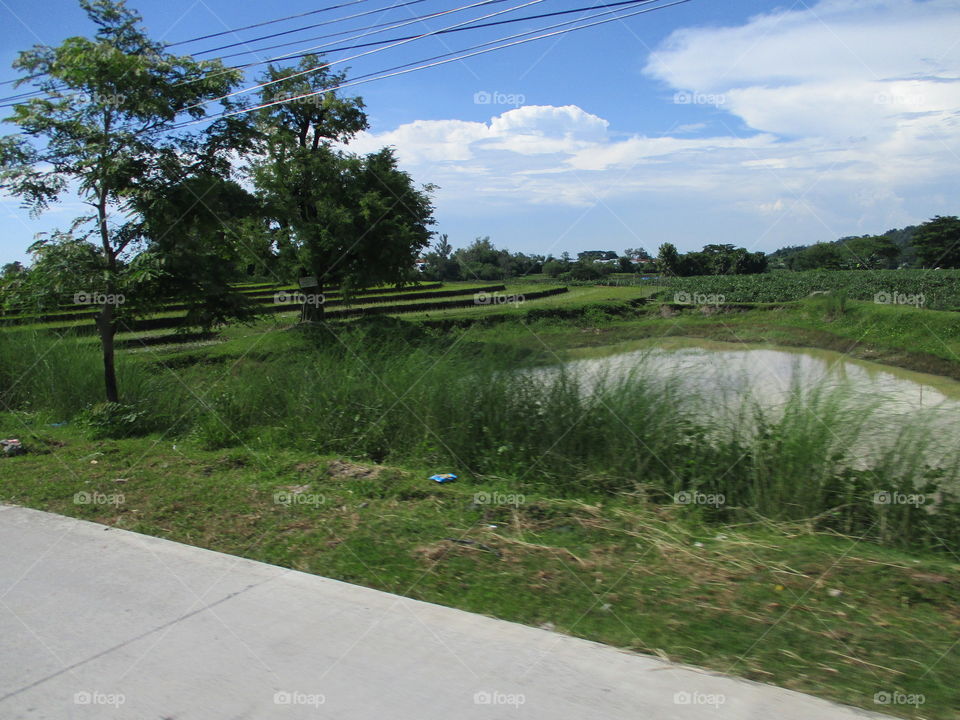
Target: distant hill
x,y
902,237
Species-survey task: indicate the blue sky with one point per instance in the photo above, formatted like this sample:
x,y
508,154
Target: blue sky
x,y
756,123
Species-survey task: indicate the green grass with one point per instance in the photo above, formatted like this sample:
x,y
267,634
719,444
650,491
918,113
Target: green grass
x,y
597,548
578,297
777,603
388,391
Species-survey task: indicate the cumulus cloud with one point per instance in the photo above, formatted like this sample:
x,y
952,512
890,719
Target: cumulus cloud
x,y
847,110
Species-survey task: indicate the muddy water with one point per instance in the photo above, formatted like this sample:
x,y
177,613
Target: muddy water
x,y
729,375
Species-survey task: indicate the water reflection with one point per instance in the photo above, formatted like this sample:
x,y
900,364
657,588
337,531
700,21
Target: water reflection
x,y
733,378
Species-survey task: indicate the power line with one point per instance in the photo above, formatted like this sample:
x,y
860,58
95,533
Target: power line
x,y
469,26
316,25
13,100
291,56
266,22
390,72
370,52
262,24
438,59
318,37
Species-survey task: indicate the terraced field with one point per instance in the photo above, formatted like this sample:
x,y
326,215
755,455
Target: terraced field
x,y
283,303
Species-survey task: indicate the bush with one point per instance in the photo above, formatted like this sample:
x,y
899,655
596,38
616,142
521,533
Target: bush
x,y
114,420
554,268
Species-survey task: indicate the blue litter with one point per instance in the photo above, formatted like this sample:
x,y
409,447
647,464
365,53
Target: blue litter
x,y
443,477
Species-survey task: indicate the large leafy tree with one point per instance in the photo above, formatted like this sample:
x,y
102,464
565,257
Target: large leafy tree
x,y
820,256
937,242
869,252
106,129
195,241
668,259
482,260
353,221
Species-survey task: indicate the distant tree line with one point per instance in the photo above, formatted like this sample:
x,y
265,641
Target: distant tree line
x,y
934,244
712,260
481,260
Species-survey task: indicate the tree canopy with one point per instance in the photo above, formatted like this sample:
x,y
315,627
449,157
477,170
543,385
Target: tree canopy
x,y
105,128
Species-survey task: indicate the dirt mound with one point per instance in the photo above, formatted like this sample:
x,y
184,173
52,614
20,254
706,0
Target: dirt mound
x,y
353,471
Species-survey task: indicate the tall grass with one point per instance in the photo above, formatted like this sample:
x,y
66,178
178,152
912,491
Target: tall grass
x,y
479,410
58,375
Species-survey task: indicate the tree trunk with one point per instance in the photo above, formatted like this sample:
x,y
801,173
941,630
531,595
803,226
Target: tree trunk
x,y
106,326
107,330
312,308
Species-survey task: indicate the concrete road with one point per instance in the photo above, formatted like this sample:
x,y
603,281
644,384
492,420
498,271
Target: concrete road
x,y
103,623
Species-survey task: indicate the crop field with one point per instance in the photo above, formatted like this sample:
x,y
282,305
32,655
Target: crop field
x,y
934,289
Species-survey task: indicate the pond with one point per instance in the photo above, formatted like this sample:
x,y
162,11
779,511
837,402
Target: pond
x,y
728,377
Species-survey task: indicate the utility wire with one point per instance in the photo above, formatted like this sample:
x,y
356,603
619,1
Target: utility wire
x,y
310,27
13,100
266,22
398,70
369,52
261,24
289,56
317,37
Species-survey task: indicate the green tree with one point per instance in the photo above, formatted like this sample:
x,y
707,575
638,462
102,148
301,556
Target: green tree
x,y
104,129
822,256
440,264
12,269
593,255
482,260
668,259
589,270
554,268
869,252
351,220
196,252
637,253
937,242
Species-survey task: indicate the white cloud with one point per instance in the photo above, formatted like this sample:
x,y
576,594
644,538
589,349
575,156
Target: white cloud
x,y
426,141
846,112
